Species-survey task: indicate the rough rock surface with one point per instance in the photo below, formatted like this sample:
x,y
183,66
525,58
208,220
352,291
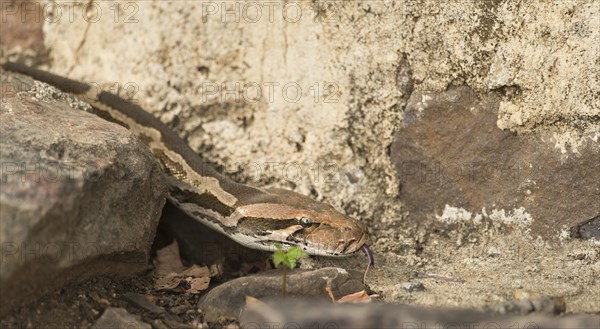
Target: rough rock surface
x,y
455,164
16,35
227,300
79,197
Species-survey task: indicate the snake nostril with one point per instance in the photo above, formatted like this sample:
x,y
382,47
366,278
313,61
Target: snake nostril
x,y
347,228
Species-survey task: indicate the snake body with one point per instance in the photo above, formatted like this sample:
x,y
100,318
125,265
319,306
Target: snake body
x,y
254,217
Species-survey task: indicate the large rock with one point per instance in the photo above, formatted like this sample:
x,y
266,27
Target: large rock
x,y
79,197
455,164
227,300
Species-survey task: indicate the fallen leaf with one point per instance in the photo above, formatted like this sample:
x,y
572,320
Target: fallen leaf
x,y
167,281
197,284
357,297
167,260
330,294
170,271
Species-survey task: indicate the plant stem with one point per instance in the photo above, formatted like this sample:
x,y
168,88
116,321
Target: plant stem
x,y
283,292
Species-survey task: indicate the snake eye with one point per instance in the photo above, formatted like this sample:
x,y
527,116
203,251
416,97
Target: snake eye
x,y
305,221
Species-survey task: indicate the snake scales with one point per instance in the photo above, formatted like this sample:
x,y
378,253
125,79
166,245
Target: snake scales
x,y
254,217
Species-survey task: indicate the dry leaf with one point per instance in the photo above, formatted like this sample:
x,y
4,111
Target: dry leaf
x,y
330,294
357,297
197,284
170,271
167,260
167,281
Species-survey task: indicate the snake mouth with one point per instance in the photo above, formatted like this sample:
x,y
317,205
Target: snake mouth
x,y
344,247
351,246
317,239
363,239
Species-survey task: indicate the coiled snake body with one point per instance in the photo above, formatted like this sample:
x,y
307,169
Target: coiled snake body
x,y
256,218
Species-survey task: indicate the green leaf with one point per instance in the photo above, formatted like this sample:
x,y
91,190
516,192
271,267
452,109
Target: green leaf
x,y
289,257
290,263
296,253
279,257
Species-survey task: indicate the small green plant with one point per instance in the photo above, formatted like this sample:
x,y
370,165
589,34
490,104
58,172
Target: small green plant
x,y
289,259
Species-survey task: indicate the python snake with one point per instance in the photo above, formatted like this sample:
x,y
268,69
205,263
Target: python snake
x,y
254,217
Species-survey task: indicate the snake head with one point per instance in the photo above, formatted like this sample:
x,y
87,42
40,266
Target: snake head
x,y
292,219
330,233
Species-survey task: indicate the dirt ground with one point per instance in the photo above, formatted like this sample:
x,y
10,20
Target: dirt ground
x,y
478,267
458,268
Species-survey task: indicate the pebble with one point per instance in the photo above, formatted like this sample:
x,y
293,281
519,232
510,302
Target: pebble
x,y
413,286
119,318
